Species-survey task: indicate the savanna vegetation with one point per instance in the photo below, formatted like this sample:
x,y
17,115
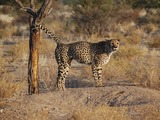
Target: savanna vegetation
x,y
136,23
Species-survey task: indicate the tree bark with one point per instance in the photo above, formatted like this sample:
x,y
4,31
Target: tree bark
x,y
33,55
33,61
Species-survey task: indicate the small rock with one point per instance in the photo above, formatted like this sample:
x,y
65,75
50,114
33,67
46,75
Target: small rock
x,y
1,110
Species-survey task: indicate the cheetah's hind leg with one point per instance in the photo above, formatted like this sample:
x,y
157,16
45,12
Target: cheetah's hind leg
x,y
62,74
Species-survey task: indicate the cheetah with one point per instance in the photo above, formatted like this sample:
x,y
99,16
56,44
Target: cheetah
x,y
94,54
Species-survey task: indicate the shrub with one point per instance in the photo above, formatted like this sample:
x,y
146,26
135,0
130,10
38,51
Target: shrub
x,y
6,9
154,42
4,31
149,28
92,17
143,3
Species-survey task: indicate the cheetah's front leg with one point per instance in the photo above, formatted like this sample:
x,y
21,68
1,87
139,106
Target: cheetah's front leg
x,y
97,74
62,74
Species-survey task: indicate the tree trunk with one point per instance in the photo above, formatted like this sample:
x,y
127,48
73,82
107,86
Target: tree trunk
x,y
33,61
35,17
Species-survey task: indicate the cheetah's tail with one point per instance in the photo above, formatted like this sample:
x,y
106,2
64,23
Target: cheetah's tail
x,y
48,32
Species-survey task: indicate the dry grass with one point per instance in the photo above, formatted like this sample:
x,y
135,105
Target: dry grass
x,y
136,64
38,115
152,113
8,85
5,26
100,113
47,47
154,42
120,61
148,112
145,71
19,51
7,31
12,83
149,28
9,88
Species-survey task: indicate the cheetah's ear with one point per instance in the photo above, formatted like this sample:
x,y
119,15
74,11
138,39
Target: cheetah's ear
x,y
108,39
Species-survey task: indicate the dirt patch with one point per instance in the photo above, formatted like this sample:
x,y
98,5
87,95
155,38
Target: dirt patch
x,y
61,105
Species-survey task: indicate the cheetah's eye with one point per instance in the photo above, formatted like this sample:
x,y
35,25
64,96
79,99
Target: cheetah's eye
x,y
112,43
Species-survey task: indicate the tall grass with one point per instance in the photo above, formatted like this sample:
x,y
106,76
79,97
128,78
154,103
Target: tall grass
x,y
9,88
136,64
8,85
145,71
21,49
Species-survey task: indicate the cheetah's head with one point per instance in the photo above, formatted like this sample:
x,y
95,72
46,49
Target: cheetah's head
x,y
114,44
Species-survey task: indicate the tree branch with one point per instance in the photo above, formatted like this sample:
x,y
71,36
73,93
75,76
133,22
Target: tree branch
x,y
49,11
19,3
32,4
44,10
26,9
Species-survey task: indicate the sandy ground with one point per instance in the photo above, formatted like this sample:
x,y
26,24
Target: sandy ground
x,y
60,105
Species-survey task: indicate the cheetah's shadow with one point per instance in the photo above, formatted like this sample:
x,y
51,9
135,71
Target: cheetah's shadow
x,y
72,83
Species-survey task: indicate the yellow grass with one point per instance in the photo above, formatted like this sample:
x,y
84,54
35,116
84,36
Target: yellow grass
x,y
8,85
136,64
8,88
100,113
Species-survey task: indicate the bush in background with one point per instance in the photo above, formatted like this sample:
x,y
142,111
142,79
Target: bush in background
x,y
143,3
6,30
154,42
92,16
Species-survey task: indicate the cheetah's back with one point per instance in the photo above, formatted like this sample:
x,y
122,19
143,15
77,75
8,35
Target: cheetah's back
x,y
81,52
